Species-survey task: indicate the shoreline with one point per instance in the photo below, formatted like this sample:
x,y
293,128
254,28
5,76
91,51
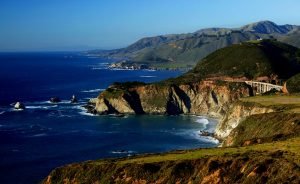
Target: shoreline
x,y
210,134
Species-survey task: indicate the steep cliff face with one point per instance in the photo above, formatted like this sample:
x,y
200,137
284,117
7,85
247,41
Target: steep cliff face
x,y
236,114
261,128
206,98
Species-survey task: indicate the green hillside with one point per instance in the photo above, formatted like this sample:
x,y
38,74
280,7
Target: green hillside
x,y
249,59
292,38
293,84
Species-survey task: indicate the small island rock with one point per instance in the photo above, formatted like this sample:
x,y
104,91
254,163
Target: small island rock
x,y
55,100
19,106
74,99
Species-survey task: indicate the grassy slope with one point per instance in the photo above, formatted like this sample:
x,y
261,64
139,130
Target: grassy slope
x,y
262,163
289,103
291,145
293,84
266,128
278,125
292,38
249,59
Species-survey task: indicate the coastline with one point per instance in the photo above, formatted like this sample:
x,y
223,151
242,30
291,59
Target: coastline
x,y
243,158
207,133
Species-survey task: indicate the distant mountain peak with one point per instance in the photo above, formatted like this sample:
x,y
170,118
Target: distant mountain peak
x,y
267,27
184,50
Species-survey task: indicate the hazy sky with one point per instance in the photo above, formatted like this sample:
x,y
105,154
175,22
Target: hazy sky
x,y
51,25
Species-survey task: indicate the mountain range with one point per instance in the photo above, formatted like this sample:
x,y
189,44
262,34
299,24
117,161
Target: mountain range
x,y
185,50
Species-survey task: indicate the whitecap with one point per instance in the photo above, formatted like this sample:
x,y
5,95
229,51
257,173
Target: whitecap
x,y
122,152
121,69
209,139
17,109
40,107
104,63
98,68
68,116
49,102
64,102
78,107
39,135
147,76
34,107
83,111
2,112
87,114
93,90
194,134
203,121
39,102
37,107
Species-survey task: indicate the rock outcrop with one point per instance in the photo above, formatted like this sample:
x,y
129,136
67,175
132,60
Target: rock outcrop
x,y
237,113
19,106
266,127
205,98
74,99
211,98
55,100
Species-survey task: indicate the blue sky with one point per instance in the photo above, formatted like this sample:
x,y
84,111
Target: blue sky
x,y
53,25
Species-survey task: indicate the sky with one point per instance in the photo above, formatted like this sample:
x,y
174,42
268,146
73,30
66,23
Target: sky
x,y
71,25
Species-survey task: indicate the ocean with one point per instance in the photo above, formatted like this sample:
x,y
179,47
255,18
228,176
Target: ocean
x,y
45,136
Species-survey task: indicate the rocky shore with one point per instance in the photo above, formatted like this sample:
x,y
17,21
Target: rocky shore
x,y
125,65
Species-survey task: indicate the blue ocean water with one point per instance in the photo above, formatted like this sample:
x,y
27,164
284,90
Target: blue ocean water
x,y
46,136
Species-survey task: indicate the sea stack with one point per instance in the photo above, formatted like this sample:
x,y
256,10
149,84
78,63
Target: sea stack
x,y
74,99
55,100
19,106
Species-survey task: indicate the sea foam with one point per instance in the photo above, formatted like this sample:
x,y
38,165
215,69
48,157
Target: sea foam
x,y
203,121
147,76
93,90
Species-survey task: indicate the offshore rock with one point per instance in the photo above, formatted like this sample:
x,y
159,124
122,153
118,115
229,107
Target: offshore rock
x,y
74,99
19,106
55,100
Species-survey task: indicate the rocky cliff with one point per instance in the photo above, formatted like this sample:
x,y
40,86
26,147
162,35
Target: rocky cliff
x,y
206,98
238,112
211,98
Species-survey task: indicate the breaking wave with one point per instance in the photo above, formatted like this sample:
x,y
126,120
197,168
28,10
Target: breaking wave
x,y
93,90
